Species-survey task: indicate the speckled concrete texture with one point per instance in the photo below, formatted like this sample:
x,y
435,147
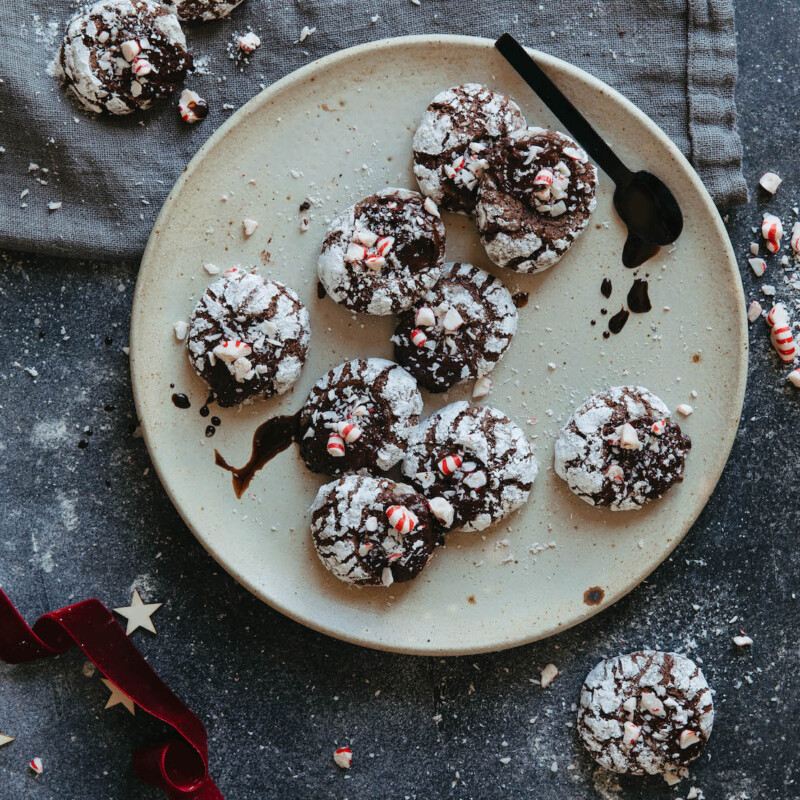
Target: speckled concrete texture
x,y
84,515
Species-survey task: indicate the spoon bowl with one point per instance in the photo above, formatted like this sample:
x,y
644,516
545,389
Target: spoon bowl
x,y
649,209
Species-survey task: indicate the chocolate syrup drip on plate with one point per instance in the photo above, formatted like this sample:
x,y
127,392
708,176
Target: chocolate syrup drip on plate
x,y
617,322
180,400
638,298
321,293
520,299
271,437
605,287
636,251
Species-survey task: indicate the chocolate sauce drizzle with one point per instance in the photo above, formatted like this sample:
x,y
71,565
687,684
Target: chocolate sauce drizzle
x,y
605,288
617,322
270,438
520,299
180,400
638,298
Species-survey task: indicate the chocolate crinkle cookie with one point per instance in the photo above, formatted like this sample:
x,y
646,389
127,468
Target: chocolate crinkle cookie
x,y
373,531
202,10
620,449
122,55
382,253
359,415
646,713
248,337
451,142
458,330
475,458
535,199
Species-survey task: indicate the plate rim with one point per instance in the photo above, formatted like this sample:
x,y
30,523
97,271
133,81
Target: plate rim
x,y
549,62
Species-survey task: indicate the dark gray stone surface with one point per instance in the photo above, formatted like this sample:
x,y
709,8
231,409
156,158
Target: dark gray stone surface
x,y
277,698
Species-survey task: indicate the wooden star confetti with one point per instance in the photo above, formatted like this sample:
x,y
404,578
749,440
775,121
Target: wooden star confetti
x,y
5,739
118,697
138,614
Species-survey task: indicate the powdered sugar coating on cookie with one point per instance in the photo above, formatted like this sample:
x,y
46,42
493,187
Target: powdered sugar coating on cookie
x,y
648,712
203,10
535,199
602,468
382,253
450,143
248,337
122,55
468,347
378,397
355,539
474,457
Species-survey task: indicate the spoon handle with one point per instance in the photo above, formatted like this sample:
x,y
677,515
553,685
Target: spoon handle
x,y
569,116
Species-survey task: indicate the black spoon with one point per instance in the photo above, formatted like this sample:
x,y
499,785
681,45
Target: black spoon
x,y
644,202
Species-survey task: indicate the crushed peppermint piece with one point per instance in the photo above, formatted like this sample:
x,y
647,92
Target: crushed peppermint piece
x,y
249,42
684,409
54,205
772,231
343,756
442,510
754,310
549,674
482,387
211,269
249,227
794,377
770,182
192,107
431,207
758,265
36,766
688,738
742,641
181,328
305,33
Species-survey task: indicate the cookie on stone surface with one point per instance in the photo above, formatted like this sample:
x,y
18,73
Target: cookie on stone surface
x,y
620,449
450,143
202,10
382,253
373,531
458,330
248,337
122,55
535,199
474,457
648,712
359,415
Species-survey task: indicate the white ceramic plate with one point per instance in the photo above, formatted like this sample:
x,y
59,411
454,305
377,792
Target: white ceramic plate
x,y
343,126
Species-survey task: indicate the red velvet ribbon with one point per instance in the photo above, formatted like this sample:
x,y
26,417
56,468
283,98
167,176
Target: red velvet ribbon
x,y
180,766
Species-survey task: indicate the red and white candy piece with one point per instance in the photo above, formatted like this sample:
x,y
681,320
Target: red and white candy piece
x,y
355,252
248,42
431,207
630,733
452,320
628,438
418,337
684,409
742,641
365,237
796,238
349,432
449,464
758,265
482,387
384,245
770,182
141,67
614,472
230,351
781,335
772,231
130,49
688,738
402,519
650,704
544,176
36,766
425,317
794,377
375,262
754,311
658,427
443,510
335,445
343,757
192,107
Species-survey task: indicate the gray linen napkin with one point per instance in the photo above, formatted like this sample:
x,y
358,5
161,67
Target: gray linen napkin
x,y
676,59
